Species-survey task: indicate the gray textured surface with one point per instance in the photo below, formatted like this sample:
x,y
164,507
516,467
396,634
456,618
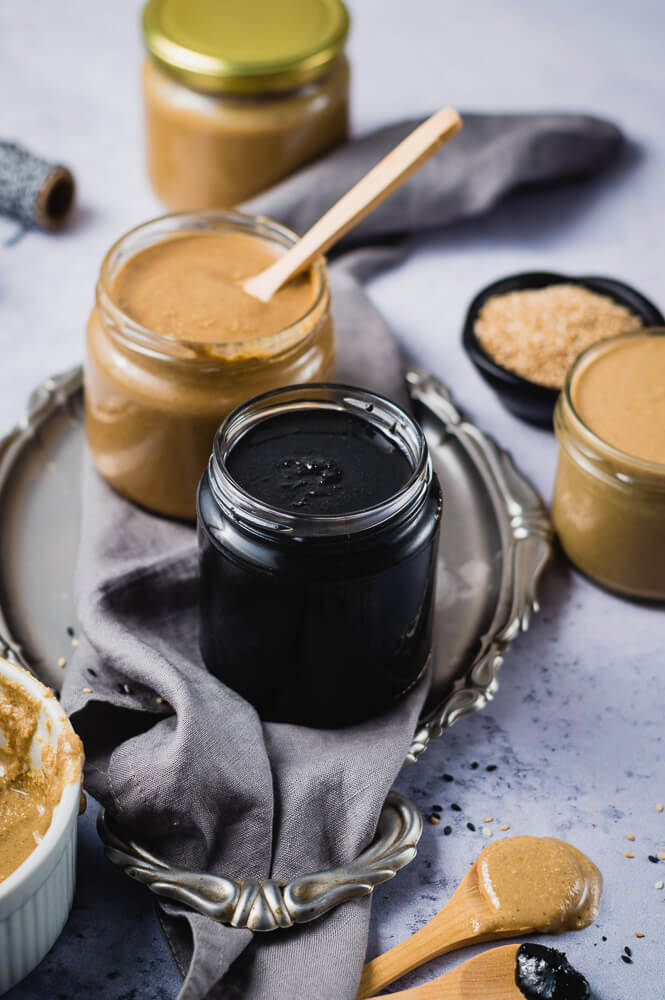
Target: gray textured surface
x,y
576,730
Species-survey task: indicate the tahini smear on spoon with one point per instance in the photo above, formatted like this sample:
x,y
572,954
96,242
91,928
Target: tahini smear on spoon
x,y
517,886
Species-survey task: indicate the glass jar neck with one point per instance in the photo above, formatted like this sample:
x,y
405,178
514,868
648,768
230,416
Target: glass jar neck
x,y
152,344
331,76
247,511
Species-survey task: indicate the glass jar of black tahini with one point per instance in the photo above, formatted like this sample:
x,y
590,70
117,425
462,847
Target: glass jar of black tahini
x,y
318,522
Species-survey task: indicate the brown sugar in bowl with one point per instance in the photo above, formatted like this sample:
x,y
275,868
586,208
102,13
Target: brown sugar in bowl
x,y
525,398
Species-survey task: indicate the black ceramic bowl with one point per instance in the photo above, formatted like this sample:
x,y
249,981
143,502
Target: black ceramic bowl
x,y
526,399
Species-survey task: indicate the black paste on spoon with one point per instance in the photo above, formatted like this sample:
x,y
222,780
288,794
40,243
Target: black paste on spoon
x,y
545,974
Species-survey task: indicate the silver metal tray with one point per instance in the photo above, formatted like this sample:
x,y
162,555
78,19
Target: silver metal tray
x,y
495,542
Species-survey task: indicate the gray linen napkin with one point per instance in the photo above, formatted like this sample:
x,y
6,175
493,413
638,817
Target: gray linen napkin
x,y
492,155
200,777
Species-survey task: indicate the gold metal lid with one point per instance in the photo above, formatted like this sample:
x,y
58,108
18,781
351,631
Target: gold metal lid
x,y
245,46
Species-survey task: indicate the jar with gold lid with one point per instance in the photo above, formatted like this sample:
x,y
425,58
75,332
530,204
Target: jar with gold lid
x,y
609,495
168,357
239,94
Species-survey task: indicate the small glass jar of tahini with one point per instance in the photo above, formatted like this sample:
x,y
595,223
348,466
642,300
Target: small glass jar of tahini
x,y
318,524
238,95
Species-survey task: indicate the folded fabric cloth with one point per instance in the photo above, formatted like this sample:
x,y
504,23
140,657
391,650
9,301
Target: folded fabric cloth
x,y
491,156
200,778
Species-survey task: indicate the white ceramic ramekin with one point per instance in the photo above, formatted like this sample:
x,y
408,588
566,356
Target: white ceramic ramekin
x,y
35,900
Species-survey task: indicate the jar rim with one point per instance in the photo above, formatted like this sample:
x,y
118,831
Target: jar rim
x,y
609,450
163,346
265,518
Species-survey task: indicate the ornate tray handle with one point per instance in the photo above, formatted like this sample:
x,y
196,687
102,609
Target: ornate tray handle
x,y
527,538
265,905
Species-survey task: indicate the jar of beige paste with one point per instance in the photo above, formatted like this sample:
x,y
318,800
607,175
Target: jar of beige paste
x,y
609,496
174,344
238,95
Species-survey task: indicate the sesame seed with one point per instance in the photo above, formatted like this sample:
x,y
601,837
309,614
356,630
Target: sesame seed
x,y
434,820
437,808
455,808
629,836
448,777
487,832
628,961
471,827
474,765
86,690
70,631
489,819
628,855
447,830
659,884
660,807
638,934
504,827
661,855
490,768
62,662
75,643
159,700
628,951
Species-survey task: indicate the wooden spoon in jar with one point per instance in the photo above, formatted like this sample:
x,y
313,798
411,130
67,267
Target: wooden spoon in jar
x,y
382,180
490,976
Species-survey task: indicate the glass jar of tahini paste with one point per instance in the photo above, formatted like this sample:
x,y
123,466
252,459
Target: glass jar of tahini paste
x,y
609,496
240,93
318,523
155,394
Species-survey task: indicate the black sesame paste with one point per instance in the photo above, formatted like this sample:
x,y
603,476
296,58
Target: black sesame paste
x,y
318,462
312,619
545,974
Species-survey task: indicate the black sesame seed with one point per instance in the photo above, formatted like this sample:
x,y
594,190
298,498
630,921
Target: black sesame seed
x,y
653,859
437,809
447,830
491,767
628,951
455,808
70,631
474,766
603,938
471,827
628,961
92,671
448,777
